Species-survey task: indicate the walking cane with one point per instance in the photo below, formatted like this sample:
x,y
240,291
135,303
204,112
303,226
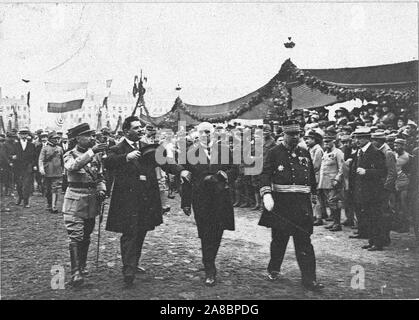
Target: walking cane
x,y
102,209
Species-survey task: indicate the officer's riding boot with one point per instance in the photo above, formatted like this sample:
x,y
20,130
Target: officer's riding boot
x,y
238,197
258,202
76,276
84,250
336,220
54,198
245,196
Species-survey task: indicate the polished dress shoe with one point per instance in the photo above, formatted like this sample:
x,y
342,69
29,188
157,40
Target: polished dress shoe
x,y
210,281
336,227
27,205
140,270
329,219
329,226
355,236
313,285
18,202
348,223
367,246
375,248
84,271
387,242
318,222
129,279
274,275
354,227
76,279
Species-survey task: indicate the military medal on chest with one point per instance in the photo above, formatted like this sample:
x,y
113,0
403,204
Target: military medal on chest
x,y
280,168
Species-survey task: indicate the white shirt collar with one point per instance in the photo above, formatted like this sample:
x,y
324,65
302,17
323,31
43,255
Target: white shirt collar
x,y
130,142
364,148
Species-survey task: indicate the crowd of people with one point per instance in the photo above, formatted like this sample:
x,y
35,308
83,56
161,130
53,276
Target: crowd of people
x,y
363,166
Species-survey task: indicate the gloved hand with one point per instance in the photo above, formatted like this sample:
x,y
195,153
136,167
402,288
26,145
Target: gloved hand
x,y
42,171
133,155
268,202
187,211
185,175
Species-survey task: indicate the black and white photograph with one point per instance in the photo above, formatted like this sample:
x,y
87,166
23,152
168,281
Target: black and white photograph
x,y
219,153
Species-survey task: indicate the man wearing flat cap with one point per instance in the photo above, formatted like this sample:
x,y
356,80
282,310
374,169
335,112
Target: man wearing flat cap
x,y
39,144
288,187
24,166
313,139
402,183
366,181
379,141
51,166
84,194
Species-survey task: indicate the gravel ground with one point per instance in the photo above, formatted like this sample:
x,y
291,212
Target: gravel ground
x,y
34,241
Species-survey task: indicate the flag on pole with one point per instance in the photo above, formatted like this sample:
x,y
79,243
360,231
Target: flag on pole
x,y
107,92
64,97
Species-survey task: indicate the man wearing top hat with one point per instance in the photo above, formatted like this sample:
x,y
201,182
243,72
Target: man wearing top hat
x,y
51,165
85,191
24,166
288,187
366,181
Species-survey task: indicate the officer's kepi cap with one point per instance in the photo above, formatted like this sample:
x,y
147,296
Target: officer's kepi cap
x,y
79,130
291,126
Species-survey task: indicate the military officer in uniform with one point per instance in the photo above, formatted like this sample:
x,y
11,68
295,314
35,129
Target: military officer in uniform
x,y
86,189
288,186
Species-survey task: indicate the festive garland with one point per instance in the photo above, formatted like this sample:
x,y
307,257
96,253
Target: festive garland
x,y
274,94
398,98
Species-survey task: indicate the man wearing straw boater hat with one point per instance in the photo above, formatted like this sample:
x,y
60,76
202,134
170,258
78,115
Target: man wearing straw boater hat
x,y
288,186
86,189
366,181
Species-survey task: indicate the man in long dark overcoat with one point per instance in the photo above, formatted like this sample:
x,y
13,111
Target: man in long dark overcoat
x,y
366,181
135,206
209,195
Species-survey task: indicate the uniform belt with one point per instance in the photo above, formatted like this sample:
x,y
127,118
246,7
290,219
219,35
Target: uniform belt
x,y
296,188
82,185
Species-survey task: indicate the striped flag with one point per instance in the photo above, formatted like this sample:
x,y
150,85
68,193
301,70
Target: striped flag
x,y
64,97
107,92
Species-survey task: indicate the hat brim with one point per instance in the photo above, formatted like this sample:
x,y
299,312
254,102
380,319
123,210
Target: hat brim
x,y
86,132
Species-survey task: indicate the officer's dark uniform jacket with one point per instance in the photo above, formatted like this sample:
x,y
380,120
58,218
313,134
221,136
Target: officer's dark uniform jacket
x,y
289,176
85,178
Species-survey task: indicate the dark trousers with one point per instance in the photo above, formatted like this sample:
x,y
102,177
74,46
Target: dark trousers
x,y
303,251
387,216
131,246
24,183
64,185
370,222
40,182
210,243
